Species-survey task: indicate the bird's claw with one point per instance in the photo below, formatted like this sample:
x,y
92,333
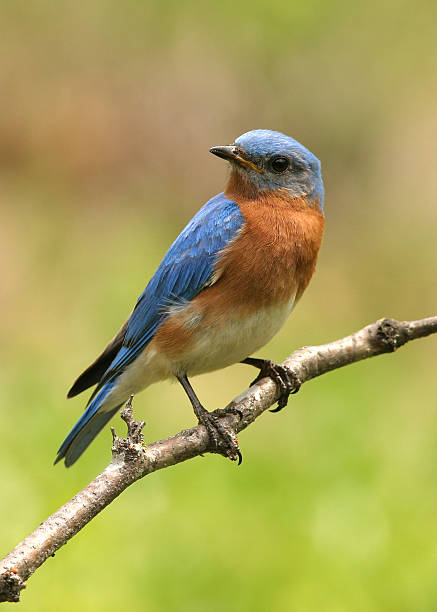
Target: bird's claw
x,y
287,382
225,443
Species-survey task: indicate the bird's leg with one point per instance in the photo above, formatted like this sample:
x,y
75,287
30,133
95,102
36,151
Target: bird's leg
x,y
286,380
225,443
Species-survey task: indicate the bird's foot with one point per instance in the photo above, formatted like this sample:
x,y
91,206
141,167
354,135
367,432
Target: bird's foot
x,y
223,440
287,382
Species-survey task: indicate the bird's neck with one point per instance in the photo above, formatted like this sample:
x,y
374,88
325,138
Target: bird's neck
x,y
240,186
241,190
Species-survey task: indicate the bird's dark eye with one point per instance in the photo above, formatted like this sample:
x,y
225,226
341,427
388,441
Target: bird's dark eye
x,y
279,164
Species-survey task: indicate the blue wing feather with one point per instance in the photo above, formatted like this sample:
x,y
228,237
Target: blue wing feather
x,y
185,270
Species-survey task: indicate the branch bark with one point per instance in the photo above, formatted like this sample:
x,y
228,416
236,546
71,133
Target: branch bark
x,y
131,460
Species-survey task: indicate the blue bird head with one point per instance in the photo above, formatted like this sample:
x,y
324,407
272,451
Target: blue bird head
x,y
271,161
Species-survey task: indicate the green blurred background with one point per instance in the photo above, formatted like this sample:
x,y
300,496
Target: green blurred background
x,y
108,111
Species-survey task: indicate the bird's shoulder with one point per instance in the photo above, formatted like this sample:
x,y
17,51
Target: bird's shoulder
x,y
189,262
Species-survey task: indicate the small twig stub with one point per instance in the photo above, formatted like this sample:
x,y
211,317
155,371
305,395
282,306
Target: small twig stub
x,y
129,448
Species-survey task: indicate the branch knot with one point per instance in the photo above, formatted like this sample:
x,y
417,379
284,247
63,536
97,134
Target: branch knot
x,y
11,585
390,335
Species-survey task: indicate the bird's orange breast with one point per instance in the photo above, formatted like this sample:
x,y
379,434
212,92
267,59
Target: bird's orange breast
x,y
275,254
268,264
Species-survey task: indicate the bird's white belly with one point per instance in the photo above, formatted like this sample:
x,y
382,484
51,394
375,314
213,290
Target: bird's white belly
x,y
219,345
229,342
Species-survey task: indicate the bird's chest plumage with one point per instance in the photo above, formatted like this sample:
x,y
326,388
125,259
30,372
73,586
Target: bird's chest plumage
x,y
258,278
274,256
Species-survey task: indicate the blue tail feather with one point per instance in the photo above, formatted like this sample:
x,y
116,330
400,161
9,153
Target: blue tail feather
x,y
88,426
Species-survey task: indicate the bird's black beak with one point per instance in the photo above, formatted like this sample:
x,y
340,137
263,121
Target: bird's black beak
x,y
233,153
229,153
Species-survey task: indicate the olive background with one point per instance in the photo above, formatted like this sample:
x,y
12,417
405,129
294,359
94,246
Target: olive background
x,y
108,112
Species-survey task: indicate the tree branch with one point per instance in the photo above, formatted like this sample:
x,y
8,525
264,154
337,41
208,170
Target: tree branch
x,y
131,460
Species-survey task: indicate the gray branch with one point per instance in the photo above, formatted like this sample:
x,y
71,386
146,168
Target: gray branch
x,y
132,460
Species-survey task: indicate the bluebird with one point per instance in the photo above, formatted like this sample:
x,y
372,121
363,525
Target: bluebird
x,y
224,288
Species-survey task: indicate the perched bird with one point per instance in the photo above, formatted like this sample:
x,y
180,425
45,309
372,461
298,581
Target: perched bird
x,y
222,291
